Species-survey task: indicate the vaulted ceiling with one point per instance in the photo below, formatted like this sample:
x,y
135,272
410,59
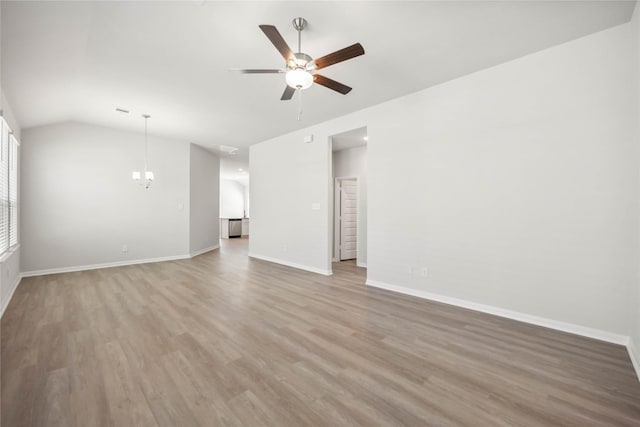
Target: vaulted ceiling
x,y
78,61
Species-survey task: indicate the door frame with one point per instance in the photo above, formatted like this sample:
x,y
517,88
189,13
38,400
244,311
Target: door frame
x,y
336,216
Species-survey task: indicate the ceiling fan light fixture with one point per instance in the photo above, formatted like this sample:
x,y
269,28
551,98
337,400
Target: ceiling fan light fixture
x,y
299,78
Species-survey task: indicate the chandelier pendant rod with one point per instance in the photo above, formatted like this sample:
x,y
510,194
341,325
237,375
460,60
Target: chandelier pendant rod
x,y
146,150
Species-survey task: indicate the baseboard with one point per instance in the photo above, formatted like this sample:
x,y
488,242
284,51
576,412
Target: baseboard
x,y
5,303
634,356
292,264
205,250
335,260
522,317
103,265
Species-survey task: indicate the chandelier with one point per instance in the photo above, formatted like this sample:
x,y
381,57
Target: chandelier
x,y
148,175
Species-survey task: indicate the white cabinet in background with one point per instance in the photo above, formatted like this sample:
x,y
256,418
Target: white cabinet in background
x,y
245,226
224,228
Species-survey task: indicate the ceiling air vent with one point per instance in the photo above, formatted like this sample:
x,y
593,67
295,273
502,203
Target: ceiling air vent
x,y
228,149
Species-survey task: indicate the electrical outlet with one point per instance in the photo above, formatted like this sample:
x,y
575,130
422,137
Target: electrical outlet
x,y
423,272
125,248
410,270
284,248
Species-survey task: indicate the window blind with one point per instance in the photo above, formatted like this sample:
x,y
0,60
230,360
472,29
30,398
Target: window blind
x,y
9,147
13,191
4,189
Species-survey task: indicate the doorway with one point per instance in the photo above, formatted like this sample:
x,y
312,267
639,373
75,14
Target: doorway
x,y
349,210
234,198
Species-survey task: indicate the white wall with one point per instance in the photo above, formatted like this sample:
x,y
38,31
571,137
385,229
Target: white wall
x,y
204,222
526,183
353,163
635,319
232,199
80,205
247,199
288,178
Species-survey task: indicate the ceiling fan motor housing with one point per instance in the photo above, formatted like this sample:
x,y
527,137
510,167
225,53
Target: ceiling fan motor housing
x,y
301,61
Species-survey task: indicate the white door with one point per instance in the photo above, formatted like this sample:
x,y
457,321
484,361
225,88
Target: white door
x,y
348,219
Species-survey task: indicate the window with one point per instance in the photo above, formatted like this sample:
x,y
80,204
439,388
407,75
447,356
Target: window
x,y
13,191
8,189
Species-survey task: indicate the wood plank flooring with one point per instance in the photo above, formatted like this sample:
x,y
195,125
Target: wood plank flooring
x,y
224,340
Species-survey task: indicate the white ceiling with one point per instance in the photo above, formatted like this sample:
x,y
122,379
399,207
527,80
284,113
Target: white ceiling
x,y
79,60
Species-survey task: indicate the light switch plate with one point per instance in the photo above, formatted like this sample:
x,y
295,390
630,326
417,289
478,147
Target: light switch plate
x,y
315,206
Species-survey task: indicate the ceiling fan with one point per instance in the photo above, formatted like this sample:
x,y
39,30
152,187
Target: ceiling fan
x,y
300,68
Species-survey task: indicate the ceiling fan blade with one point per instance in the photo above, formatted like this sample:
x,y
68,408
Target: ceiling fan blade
x,y
273,34
259,71
339,56
288,93
331,84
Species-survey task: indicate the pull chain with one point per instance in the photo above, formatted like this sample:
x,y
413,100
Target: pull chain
x,y
299,104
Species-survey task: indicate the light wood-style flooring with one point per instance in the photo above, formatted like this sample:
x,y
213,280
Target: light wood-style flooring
x,y
224,340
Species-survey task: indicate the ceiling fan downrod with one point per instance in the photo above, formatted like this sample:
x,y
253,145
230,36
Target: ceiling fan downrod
x,y
299,24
